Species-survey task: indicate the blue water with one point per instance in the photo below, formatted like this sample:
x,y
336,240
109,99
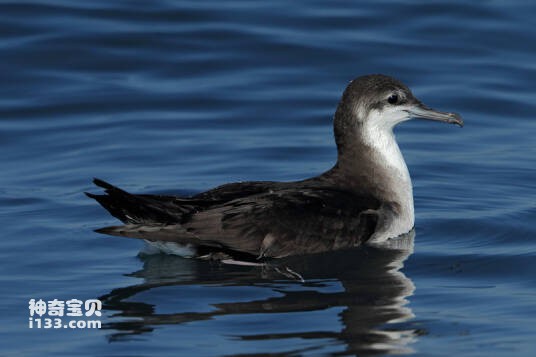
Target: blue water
x,y
180,96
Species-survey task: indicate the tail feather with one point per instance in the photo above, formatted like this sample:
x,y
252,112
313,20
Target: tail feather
x,y
136,209
104,184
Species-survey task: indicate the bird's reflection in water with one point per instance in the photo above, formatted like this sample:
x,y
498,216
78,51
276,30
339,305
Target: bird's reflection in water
x,y
370,301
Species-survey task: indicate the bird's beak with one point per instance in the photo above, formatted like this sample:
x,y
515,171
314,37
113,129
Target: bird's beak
x,y
421,111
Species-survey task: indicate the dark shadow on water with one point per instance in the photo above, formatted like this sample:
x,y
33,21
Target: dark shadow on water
x,y
372,296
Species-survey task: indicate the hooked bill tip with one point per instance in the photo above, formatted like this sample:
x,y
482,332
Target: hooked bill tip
x,y
457,119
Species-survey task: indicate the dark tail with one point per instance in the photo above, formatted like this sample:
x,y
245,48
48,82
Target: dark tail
x,y
137,209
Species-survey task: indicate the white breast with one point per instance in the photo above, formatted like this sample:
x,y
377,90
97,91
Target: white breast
x,y
378,135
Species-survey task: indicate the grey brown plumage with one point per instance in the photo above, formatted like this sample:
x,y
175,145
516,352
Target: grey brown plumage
x,y
366,196
263,219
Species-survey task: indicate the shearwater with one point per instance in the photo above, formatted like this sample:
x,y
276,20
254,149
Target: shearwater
x,y
366,197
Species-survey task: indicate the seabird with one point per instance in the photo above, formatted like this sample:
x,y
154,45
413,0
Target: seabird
x,y
366,197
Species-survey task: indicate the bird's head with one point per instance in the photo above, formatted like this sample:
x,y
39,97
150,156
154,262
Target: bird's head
x,y
383,102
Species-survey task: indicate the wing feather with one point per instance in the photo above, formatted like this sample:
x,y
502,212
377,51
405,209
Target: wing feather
x,y
264,219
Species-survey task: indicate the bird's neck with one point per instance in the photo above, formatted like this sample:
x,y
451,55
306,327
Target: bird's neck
x,y
372,161
387,161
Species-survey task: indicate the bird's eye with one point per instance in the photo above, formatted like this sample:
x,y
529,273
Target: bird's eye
x,y
393,99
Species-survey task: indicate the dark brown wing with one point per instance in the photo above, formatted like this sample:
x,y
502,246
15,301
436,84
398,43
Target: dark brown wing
x,y
265,219
290,221
160,209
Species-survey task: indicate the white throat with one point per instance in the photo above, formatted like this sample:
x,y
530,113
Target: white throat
x,y
378,135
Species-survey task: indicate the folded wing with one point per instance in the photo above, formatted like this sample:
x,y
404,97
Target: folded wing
x,y
264,219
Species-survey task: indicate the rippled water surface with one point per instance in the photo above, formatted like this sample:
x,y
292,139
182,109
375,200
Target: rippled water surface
x,y
180,96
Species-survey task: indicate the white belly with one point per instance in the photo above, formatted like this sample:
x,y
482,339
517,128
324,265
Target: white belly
x,y
182,250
